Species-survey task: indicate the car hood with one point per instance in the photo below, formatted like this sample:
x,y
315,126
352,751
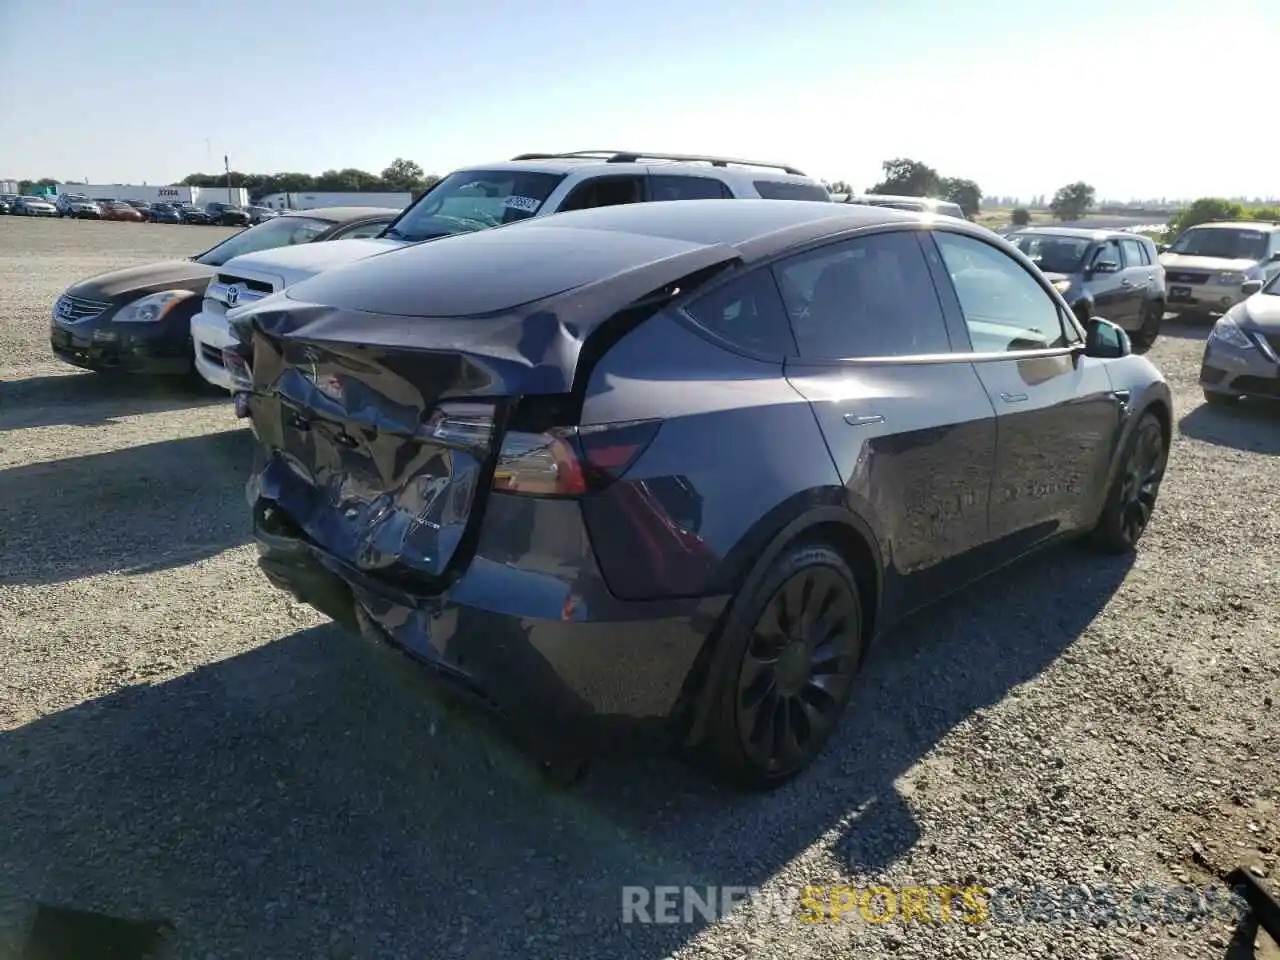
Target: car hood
x,y
148,278
1178,261
295,263
1261,312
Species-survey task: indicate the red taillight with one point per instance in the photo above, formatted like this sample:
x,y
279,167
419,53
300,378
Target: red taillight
x,y
570,461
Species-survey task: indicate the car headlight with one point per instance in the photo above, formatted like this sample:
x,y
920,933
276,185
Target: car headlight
x,y
1227,331
1062,286
1230,278
151,308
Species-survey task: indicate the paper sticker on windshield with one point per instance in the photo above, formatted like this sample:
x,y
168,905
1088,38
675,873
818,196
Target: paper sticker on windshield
x,y
527,204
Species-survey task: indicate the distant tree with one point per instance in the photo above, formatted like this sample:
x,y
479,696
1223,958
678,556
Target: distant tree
x,y
839,186
1072,201
908,178
965,193
402,174
1021,216
1202,211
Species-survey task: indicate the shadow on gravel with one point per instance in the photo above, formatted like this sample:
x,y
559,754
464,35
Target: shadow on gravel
x,y
1186,329
86,399
1252,425
134,510
303,799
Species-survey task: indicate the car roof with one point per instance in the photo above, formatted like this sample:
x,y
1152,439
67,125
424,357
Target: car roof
x,y
758,228
1261,225
560,165
343,214
1083,233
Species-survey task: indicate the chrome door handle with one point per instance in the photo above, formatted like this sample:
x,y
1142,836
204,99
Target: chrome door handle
x,y
1013,397
853,420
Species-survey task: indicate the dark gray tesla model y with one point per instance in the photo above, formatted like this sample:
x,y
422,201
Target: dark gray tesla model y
x,y
658,473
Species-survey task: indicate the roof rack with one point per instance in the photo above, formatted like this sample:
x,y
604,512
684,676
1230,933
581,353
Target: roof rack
x,y
1270,223
635,156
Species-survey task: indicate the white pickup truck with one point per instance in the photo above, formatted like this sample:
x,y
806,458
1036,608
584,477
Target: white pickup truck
x,y
531,185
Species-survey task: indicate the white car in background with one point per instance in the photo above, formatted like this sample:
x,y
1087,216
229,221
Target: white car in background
x,y
531,185
35,207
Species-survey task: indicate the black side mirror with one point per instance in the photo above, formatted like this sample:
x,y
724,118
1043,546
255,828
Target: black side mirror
x,y
1162,248
1105,340
1106,266
1250,287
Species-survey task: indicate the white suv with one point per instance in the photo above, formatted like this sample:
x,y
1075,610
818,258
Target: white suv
x,y
530,185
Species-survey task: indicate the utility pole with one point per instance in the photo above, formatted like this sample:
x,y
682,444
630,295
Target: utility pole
x,y
227,164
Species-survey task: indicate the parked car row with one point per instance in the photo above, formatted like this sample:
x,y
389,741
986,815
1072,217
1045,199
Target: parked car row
x,y
506,434
81,207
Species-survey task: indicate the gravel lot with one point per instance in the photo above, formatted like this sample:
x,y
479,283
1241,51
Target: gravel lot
x,y
181,741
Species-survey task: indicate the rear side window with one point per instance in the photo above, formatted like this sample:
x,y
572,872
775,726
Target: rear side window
x,y
868,297
784,190
604,192
747,311
1135,254
687,188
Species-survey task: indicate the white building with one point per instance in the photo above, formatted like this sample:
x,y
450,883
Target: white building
x,y
199,196
311,201
8,186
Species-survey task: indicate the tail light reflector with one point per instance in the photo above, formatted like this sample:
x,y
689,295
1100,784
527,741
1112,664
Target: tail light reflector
x,y
570,461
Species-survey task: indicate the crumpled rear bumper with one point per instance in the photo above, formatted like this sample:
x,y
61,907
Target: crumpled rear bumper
x,y
562,665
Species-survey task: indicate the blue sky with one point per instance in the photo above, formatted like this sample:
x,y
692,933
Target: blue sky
x,y
1021,97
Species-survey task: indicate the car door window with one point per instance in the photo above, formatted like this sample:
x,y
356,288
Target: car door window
x,y
747,311
1005,308
604,192
1108,251
361,230
1133,253
867,297
686,188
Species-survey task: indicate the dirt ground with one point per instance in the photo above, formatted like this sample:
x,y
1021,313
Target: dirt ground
x,y
178,740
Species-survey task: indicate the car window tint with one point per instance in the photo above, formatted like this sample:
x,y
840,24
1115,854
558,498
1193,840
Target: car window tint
x,y
604,192
686,188
747,311
867,297
1134,253
362,230
1107,251
785,190
1005,308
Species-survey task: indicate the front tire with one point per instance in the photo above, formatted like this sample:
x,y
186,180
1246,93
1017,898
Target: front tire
x,y
1132,497
1145,336
794,646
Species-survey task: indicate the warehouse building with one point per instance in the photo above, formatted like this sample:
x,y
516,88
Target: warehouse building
x,y
199,196
311,201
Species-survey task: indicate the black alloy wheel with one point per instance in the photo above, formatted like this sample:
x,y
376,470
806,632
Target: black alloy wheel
x,y
796,656
1135,488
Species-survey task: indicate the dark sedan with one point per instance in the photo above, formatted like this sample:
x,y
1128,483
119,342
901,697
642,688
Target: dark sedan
x,y
138,319
193,214
657,474
227,215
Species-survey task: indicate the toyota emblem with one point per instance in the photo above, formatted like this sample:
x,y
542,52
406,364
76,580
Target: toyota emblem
x,y
233,294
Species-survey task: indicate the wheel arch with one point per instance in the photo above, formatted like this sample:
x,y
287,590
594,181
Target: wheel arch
x,y
821,516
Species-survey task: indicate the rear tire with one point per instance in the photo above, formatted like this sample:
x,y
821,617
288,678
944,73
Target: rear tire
x,y
1135,489
1145,336
794,646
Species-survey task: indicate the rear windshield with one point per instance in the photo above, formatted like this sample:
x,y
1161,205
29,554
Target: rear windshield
x,y
784,190
470,200
1223,243
276,232
1052,254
